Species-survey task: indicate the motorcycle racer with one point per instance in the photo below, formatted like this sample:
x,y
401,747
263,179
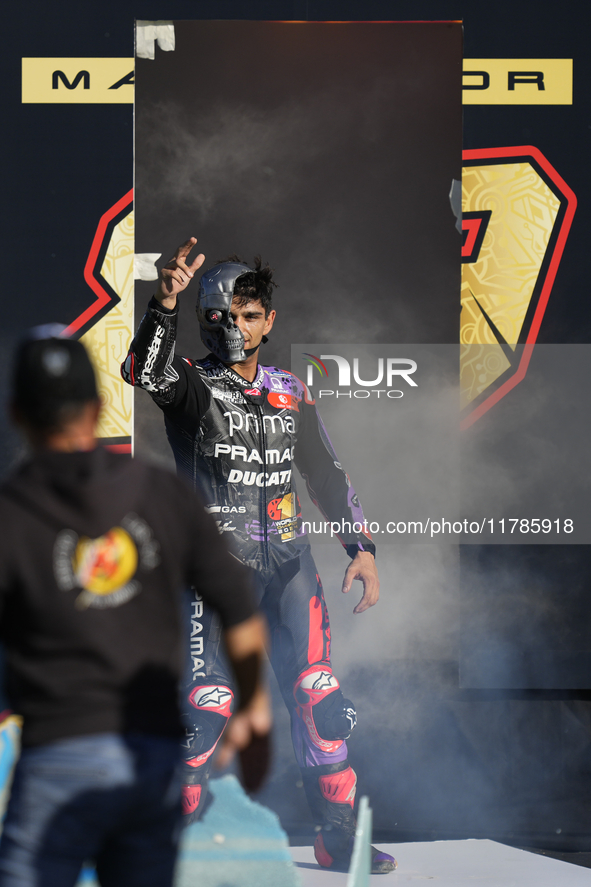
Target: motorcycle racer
x,y
237,429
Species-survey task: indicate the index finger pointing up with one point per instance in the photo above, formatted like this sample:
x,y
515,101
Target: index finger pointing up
x,y
197,262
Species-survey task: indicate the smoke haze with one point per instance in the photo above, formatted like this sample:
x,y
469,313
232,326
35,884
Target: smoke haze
x,y
330,150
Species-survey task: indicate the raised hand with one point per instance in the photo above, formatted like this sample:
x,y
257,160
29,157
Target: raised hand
x,y
178,273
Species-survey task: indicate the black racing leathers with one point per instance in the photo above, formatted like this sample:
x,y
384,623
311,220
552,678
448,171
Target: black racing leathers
x,y
238,442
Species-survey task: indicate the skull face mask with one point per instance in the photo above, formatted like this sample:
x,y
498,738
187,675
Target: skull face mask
x,y
218,331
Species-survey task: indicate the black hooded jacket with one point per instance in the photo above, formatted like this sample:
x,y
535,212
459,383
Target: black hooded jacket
x,y
94,551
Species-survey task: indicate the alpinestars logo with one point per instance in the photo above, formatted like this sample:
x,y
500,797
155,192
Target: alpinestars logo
x,y
214,698
351,716
324,681
153,352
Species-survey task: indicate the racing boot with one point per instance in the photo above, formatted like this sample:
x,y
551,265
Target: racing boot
x,y
330,790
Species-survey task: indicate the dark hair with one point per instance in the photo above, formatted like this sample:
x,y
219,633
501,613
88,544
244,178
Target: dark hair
x,y
51,417
52,381
256,286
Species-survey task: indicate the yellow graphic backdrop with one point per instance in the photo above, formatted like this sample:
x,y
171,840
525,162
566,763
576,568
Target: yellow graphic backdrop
x,y
74,81
502,279
108,340
518,82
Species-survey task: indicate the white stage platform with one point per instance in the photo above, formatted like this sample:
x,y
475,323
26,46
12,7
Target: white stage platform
x,y
455,864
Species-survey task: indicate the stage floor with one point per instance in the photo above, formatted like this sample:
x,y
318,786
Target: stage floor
x,y
454,864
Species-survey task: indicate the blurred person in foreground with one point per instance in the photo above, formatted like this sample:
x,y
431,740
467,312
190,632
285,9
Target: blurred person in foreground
x,y
94,552
238,431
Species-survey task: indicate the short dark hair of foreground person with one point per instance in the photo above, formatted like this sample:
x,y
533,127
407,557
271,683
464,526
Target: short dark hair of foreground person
x,y
95,551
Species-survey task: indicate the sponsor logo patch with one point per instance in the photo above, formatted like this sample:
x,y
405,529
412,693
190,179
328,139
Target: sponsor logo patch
x,y
285,512
104,569
283,401
228,396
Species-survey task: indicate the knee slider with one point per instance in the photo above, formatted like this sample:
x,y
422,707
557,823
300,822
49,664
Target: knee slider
x,y
335,716
201,739
322,706
205,726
